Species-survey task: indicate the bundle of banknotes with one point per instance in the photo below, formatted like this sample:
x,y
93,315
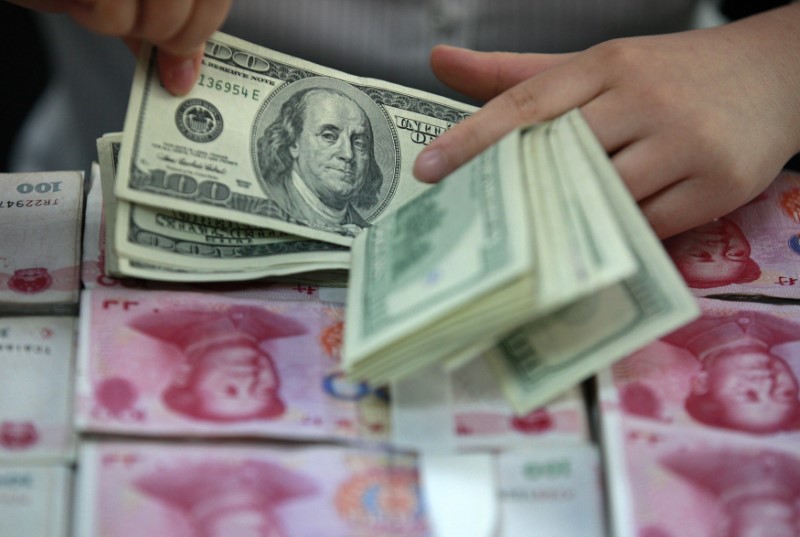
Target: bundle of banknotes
x,y
191,397
273,165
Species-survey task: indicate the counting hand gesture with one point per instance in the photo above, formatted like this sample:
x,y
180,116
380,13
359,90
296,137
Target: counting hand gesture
x,y
179,28
697,123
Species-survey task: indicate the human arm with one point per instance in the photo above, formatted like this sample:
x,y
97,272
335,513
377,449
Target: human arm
x,y
179,28
697,123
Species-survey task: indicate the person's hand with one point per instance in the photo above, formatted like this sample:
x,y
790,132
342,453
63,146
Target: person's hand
x,y
697,123
179,28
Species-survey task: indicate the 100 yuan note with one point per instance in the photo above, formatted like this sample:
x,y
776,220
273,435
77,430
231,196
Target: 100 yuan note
x,y
36,357
40,222
753,250
270,140
195,490
162,363
35,501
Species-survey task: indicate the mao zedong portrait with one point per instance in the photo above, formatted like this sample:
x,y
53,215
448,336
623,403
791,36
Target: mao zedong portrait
x,y
317,161
713,255
757,490
224,498
743,383
225,375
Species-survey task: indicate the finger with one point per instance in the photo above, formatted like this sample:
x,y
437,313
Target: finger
x,y
542,97
179,73
651,164
110,17
133,44
205,19
613,121
484,75
684,205
160,20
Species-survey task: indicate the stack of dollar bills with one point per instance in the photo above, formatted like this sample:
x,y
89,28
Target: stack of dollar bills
x,y
225,183
534,253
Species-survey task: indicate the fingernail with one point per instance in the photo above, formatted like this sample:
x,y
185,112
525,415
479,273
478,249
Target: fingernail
x,y
430,166
182,76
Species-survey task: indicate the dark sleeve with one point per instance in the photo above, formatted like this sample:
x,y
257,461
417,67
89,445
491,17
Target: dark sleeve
x,y
737,9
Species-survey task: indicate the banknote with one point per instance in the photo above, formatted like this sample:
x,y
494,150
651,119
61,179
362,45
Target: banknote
x,y
542,358
93,251
35,501
550,490
161,363
195,490
753,250
37,359
669,482
273,141
163,244
95,260
465,410
554,490
735,370
552,296
40,221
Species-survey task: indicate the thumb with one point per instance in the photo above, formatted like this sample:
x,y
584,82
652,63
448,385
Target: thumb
x,y
484,75
179,72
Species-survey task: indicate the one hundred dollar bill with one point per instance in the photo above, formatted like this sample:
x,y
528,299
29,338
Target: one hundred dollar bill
x,y
167,245
272,141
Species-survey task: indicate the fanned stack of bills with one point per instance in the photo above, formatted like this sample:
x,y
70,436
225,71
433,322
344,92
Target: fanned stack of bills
x,y
40,222
269,167
534,250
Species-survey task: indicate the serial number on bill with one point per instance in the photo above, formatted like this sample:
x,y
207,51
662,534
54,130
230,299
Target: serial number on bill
x,y
227,87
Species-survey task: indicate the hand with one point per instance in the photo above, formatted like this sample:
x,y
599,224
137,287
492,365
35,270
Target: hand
x,y
179,28
696,123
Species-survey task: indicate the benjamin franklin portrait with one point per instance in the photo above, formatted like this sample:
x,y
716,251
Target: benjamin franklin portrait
x,y
317,163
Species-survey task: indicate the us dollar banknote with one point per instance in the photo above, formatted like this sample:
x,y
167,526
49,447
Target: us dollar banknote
x,y
168,245
269,140
533,252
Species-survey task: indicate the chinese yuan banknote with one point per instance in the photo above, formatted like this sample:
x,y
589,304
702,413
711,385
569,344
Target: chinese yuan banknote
x,y
37,360
178,363
735,370
192,490
40,222
753,250
674,483
465,409
700,430
550,490
35,501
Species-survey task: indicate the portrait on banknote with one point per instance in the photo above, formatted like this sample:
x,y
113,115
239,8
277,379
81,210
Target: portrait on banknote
x,y
325,155
219,498
737,371
225,374
757,491
713,255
